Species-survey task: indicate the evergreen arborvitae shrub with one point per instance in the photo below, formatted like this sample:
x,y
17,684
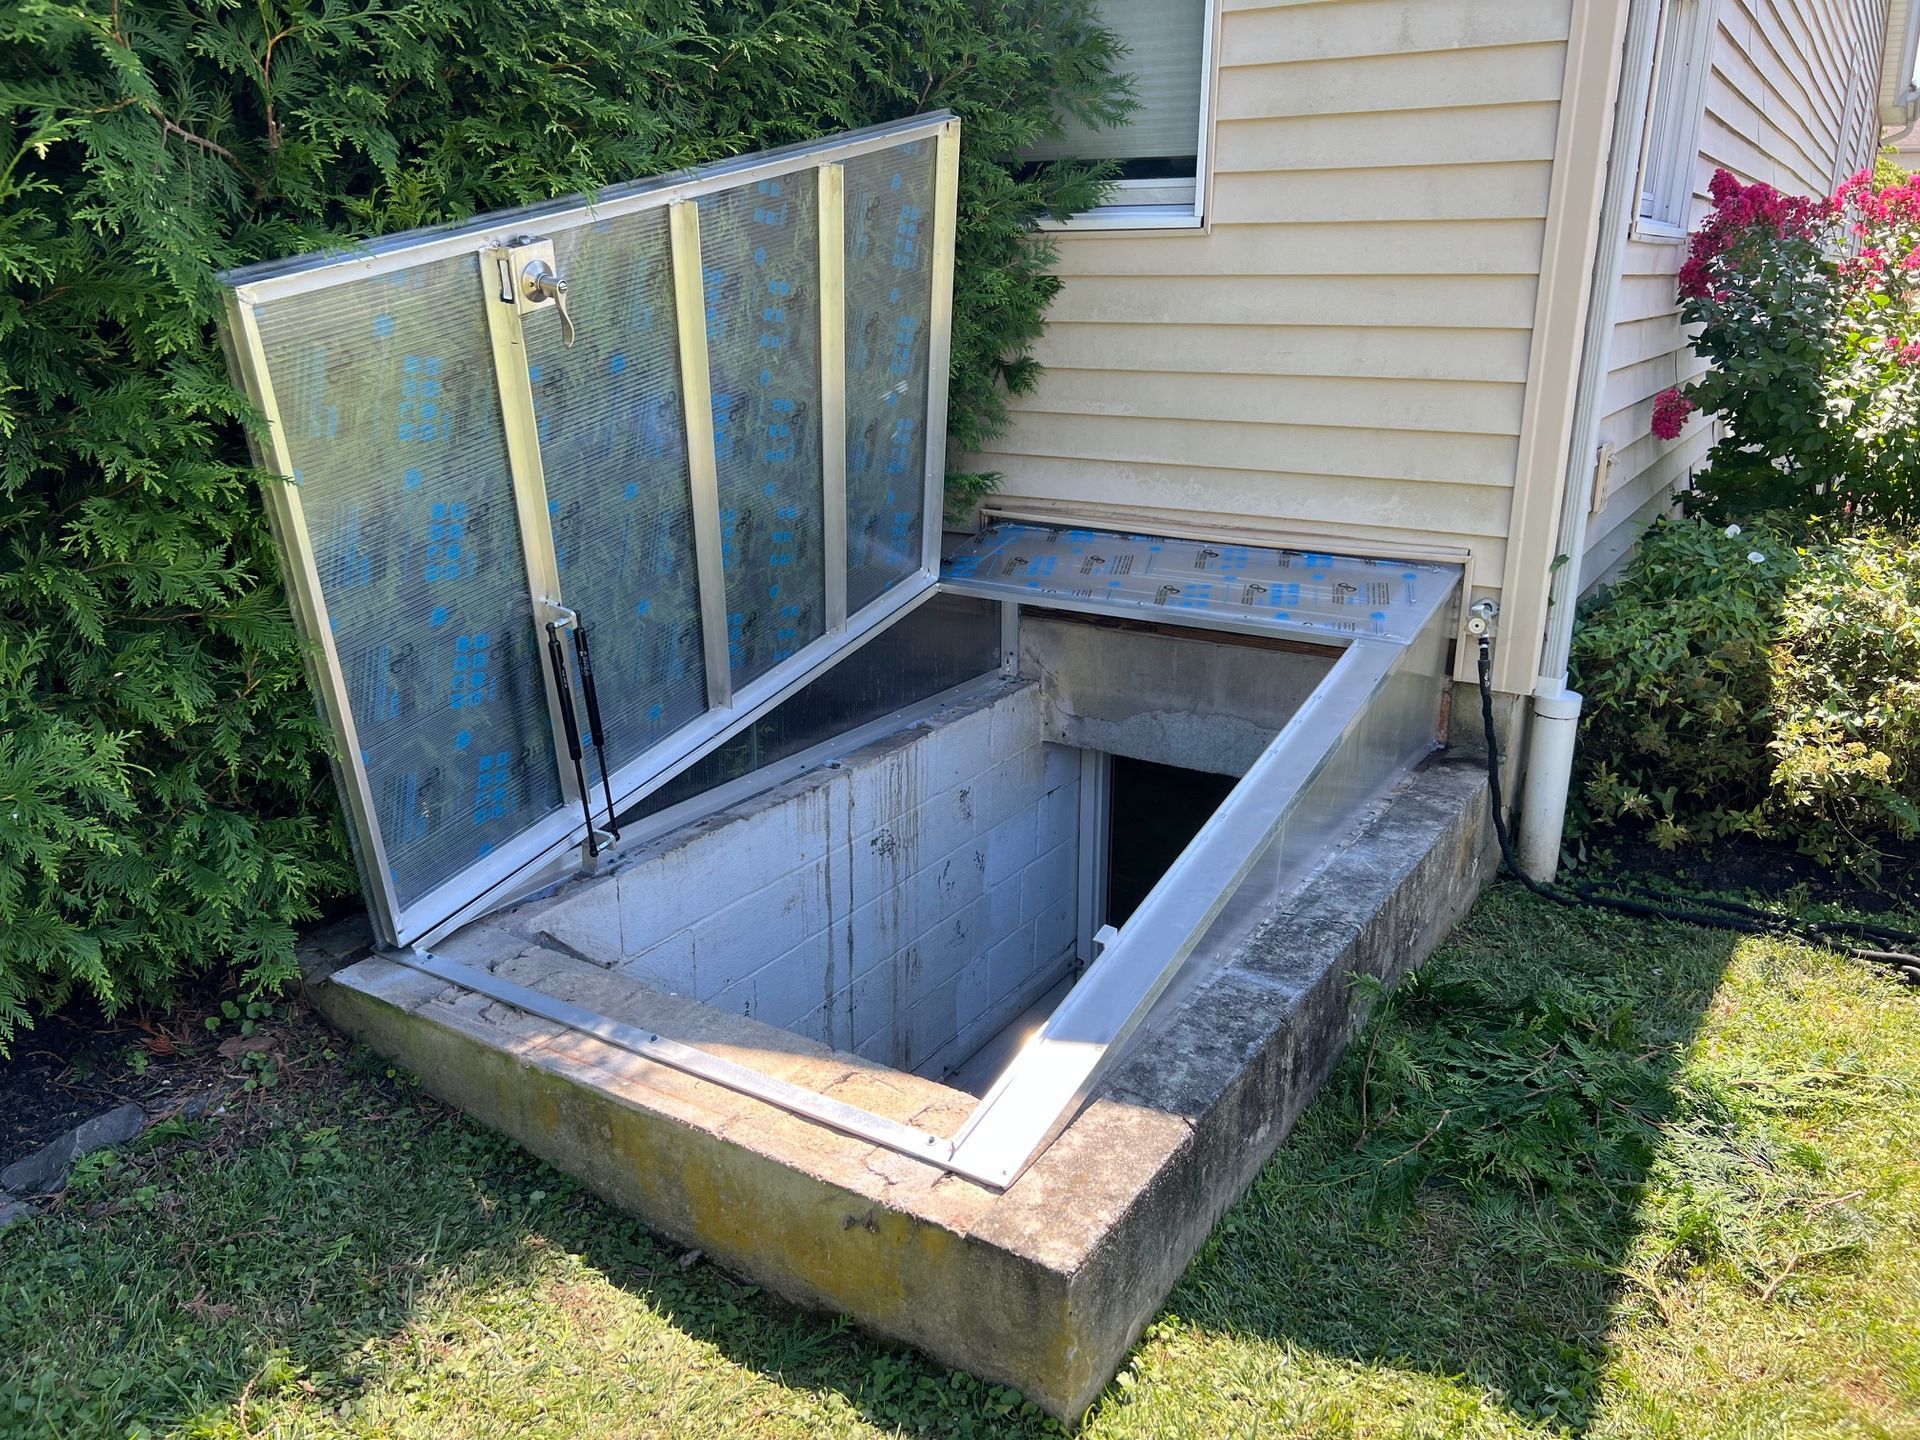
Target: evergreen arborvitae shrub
x,y
165,808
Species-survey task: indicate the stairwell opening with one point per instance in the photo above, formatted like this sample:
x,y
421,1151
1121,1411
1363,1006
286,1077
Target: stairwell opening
x,y
911,859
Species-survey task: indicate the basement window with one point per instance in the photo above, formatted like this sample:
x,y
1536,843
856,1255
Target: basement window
x,y
1161,151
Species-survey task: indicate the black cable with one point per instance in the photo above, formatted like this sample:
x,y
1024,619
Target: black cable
x,y
1703,910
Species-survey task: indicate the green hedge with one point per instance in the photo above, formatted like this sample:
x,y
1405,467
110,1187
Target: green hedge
x,y
1738,683
164,804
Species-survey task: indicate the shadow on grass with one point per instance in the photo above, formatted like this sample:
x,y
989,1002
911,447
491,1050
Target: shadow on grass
x,y
1460,1201
1463,1195
328,1250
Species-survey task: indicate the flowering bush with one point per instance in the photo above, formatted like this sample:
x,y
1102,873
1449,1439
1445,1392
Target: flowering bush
x,y
1808,309
1737,685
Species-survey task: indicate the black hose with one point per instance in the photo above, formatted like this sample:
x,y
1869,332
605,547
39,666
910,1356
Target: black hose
x,y
1703,910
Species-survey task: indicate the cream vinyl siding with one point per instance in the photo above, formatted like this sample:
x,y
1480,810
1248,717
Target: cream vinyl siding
x,y
1791,99
1342,354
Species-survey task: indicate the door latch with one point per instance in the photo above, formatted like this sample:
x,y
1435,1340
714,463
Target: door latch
x,y
529,281
538,283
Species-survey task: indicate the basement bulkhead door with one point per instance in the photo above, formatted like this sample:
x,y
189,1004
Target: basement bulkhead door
x,y
686,439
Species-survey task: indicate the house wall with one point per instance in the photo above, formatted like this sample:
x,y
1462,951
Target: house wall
x,y
1791,100
1342,354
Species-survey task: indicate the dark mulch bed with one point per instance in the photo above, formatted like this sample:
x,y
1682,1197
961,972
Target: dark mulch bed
x,y
72,1066
1766,869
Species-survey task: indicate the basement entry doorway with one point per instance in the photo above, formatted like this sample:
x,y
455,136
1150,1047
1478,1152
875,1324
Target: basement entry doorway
x,y
615,528
1153,813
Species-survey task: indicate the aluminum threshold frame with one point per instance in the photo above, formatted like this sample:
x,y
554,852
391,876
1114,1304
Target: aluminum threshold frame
x,y
498,876
1374,715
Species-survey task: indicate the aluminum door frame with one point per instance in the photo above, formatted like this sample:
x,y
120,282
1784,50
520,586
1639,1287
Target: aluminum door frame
x,y
488,881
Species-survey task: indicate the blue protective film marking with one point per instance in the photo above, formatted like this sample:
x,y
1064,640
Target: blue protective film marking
x,y
472,682
446,530
889,196
1340,596
493,788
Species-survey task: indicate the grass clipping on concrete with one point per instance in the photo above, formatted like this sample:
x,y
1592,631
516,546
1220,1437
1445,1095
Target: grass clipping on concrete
x,y
1586,1176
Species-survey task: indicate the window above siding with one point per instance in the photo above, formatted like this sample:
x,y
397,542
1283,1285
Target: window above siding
x,y
1899,77
1161,150
1670,149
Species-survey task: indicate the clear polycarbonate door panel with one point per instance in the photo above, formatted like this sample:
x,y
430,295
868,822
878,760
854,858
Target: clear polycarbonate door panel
x,y
889,287
760,267
613,445
391,421
466,472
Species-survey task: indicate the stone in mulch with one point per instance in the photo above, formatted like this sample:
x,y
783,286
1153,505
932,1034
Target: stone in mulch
x,y
42,1172
67,1068
82,1081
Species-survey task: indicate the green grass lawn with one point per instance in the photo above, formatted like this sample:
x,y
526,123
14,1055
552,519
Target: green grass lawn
x,y
1587,1177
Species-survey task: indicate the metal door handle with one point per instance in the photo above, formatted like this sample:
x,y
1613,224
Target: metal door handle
x,y
539,282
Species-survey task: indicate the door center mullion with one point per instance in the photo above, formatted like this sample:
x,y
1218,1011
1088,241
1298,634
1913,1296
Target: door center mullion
x,y
501,267
696,388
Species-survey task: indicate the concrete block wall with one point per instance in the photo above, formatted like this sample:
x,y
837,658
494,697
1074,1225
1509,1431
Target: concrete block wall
x,y
904,904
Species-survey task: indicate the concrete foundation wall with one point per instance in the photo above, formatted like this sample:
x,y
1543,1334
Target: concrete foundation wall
x,y
904,905
1185,700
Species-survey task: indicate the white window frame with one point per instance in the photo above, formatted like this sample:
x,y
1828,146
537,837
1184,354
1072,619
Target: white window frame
x,y
1676,106
1898,83
1156,204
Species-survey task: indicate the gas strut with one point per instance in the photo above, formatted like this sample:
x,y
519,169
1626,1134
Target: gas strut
x,y
596,730
563,685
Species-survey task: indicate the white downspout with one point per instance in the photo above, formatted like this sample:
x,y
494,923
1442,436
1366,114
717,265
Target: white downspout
x,y
1556,709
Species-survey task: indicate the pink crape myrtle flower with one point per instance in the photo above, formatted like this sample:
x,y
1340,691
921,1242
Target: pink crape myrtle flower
x,y
1670,411
1738,209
